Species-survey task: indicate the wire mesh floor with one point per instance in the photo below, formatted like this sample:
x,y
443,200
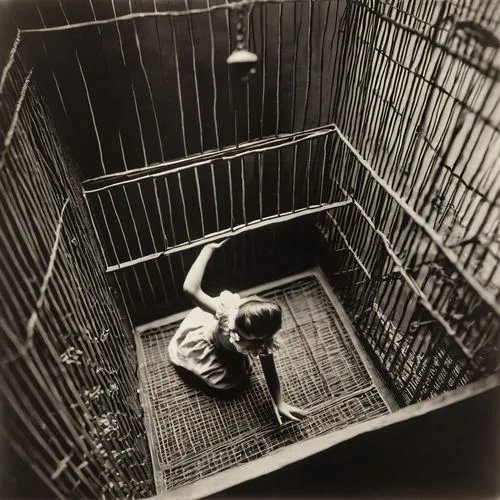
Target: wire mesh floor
x,y
194,435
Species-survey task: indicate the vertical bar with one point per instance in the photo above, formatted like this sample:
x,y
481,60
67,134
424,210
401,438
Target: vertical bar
x,y
11,61
263,24
160,216
193,59
198,190
215,196
308,170
321,67
179,87
332,66
234,105
122,151
118,30
296,31
92,114
172,274
214,82
261,175
169,201
117,24
325,146
141,134
103,212
183,201
147,216
138,44
243,190
159,275
138,239
309,61
126,298
229,85
278,75
160,51
278,208
64,13
231,198
248,110
120,225
126,245
333,167
94,227
294,172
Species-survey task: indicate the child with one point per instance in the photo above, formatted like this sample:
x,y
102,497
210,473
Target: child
x,y
214,344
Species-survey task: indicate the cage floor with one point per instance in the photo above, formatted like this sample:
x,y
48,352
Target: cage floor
x,y
194,435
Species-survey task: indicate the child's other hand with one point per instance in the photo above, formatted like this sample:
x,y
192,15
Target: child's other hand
x,y
215,245
291,412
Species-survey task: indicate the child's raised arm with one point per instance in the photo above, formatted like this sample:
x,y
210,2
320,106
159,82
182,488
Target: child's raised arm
x,y
192,283
273,383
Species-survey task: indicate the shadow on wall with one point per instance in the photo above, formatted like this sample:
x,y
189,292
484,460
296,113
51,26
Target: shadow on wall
x,y
154,289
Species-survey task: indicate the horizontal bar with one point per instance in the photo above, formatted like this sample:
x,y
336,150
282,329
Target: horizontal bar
x,y
15,117
266,221
294,141
206,155
149,176
201,159
347,244
10,61
142,15
400,268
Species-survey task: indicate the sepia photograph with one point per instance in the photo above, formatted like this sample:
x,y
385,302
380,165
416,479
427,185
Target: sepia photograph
x,y
250,249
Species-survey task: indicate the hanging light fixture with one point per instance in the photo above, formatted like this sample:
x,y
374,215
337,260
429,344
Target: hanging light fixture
x,y
243,63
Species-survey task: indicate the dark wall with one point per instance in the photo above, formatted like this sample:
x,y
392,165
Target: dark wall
x,y
154,289
142,91
449,453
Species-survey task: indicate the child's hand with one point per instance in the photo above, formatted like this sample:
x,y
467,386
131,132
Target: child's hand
x,y
215,246
290,412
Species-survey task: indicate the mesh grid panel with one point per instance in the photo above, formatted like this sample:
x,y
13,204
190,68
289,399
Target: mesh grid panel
x,y
196,435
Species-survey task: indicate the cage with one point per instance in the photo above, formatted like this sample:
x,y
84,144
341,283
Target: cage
x,y
354,165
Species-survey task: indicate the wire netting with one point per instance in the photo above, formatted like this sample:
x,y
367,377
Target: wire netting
x,y
370,135
68,378
234,192
415,257
195,435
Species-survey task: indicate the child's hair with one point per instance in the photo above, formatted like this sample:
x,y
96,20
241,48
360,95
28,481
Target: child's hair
x,y
258,317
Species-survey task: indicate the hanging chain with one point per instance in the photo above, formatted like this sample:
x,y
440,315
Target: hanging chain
x,y
240,30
